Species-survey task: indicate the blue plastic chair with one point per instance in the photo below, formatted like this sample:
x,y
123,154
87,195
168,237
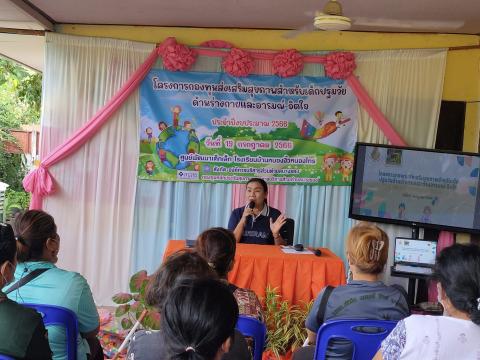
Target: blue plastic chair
x,y
255,329
56,315
365,344
6,357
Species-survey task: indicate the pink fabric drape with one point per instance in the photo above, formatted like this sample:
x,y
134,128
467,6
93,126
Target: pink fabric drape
x,y
374,112
39,182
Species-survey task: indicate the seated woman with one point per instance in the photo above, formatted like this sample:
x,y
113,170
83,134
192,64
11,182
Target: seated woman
x,y
22,333
256,222
456,334
38,246
198,320
149,345
217,246
364,297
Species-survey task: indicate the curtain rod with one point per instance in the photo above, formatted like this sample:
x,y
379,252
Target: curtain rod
x,y
22,31
468,47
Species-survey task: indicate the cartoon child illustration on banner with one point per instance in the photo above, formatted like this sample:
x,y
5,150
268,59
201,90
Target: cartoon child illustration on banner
x,y
346,166
329,161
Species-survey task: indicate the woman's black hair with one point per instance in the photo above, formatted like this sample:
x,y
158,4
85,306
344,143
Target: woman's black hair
x,y
261,182
8,246
33,228
217,246
458,271
182,264
198,317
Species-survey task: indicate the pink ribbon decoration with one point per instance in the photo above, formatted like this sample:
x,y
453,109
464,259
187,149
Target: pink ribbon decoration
x,y
175,56
217,44
339,65
374,112
288,63
238,63
39,182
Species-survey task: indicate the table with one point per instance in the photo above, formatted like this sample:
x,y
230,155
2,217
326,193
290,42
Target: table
x,y
298,278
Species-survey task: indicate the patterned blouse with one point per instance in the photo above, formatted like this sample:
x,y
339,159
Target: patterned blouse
x,y
248,303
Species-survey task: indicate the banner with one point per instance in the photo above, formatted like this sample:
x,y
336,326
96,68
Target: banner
x,y
212,127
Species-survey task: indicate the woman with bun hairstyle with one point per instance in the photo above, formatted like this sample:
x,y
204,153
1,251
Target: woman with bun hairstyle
x,y
217,246
22,333
198,320
256,222
456,334
183,265
38,247
364,296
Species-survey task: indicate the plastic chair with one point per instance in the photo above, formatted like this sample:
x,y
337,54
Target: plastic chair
x,y
56,315
251,327
365,344
6,357
287,231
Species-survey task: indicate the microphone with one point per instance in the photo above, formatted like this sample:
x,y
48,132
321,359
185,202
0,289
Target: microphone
x,y
251,204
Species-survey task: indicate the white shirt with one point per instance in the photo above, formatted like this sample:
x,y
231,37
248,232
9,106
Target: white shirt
x,y
433,338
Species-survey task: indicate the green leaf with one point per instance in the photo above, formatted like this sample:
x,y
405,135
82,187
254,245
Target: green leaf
x,y
137,280
151,320
126,324
122,310
143,288
122,298
137,308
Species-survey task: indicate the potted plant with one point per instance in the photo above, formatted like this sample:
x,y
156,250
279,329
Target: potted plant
x,y
131,305
285,325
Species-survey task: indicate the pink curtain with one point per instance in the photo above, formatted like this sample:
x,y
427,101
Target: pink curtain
x,y
445,239
276,196
39,182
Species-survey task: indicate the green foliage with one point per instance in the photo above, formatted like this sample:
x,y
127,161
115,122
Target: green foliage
x,y
131,305
16,199
285,323
138,281
20,97
12,170
122,298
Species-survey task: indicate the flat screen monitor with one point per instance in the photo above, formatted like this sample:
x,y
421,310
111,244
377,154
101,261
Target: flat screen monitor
x,y
415,252
416,187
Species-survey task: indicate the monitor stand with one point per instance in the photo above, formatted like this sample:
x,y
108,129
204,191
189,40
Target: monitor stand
x,y
412,279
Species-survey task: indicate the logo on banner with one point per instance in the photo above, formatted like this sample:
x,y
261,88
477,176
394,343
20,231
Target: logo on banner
x,y
187,175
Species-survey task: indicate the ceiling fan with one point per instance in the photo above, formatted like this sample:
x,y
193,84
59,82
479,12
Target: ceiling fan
x,y
331,18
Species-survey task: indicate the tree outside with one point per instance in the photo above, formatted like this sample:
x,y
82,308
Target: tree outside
x,y
20,101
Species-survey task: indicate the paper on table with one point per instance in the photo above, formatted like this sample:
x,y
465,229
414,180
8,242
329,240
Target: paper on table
x,y
291,250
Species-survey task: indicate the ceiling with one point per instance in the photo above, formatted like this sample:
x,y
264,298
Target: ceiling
x,y
437,16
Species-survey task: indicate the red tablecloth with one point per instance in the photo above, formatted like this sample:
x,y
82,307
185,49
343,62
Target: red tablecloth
x,y
298,278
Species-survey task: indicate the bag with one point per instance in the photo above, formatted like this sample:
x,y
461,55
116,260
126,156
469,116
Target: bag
x,y
323,305
24,280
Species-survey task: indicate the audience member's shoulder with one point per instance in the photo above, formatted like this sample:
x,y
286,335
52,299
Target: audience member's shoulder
x,y
419,321
71,276
146,345
23,313
142,335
